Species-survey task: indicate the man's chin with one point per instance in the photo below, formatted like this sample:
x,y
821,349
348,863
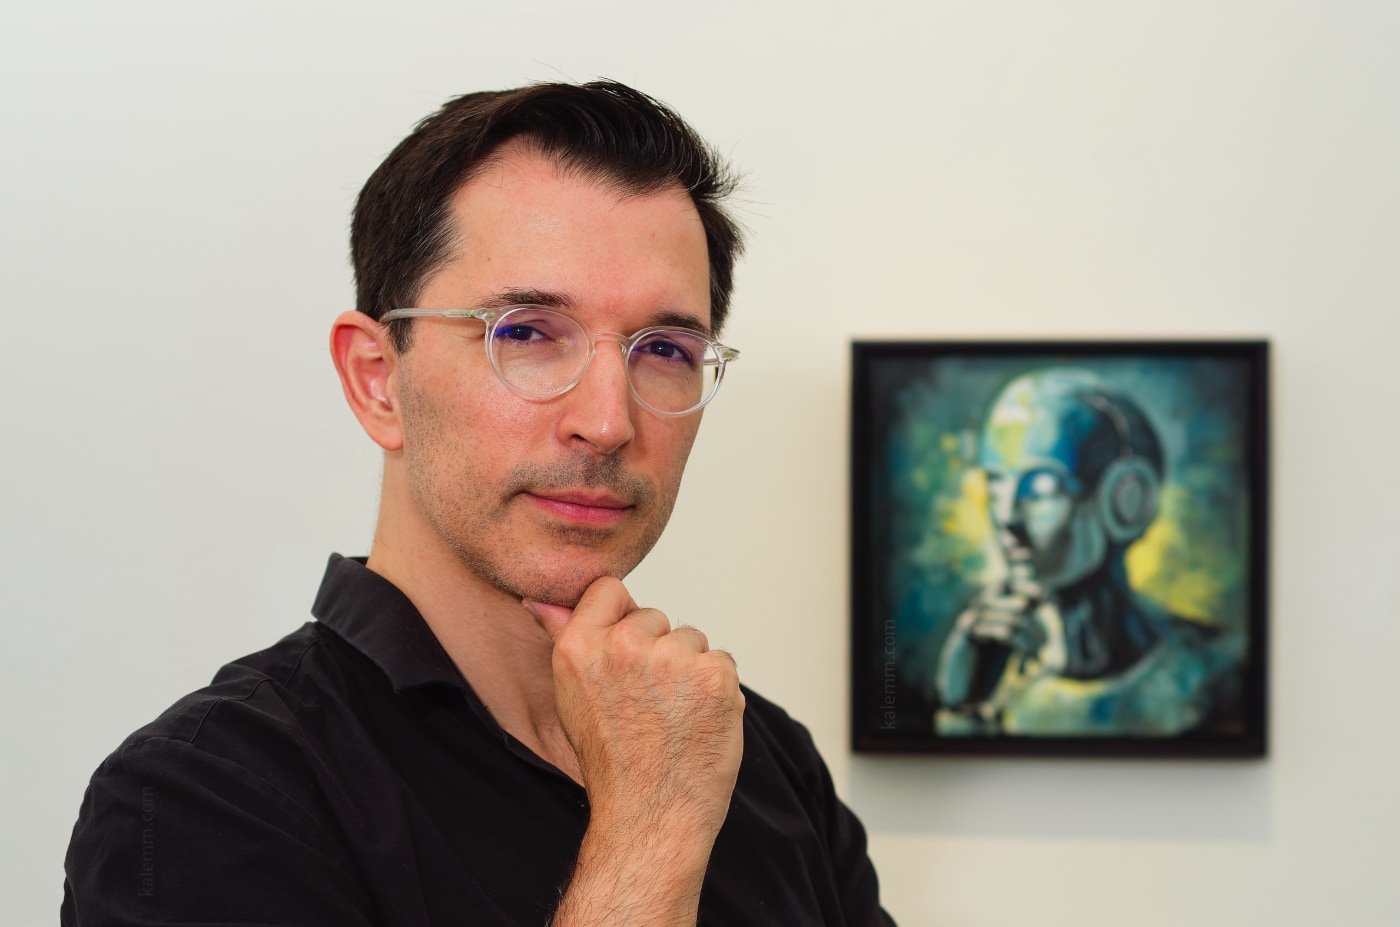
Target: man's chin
x,y
558,570
564,589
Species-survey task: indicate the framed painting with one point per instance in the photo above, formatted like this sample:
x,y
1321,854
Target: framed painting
x,y
1060,548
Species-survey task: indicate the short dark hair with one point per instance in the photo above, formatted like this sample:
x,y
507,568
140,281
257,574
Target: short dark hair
x,y
402,231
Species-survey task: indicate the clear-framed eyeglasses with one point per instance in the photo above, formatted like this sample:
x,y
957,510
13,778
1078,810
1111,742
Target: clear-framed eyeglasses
x,y
539,353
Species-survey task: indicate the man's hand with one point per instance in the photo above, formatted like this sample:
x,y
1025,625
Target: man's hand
x,y
656,720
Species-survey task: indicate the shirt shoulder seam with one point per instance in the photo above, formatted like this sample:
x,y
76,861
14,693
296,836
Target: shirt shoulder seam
x,y
215,702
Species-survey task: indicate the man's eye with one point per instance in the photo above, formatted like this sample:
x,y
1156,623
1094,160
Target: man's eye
x,y
520,332
669,350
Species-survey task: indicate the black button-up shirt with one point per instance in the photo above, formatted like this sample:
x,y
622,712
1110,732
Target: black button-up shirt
x,y
348,775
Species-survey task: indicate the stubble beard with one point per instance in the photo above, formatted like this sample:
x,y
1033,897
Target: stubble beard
x,y
511,545
503,540
560,572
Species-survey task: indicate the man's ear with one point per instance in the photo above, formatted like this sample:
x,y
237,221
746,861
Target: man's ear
x,y
365,360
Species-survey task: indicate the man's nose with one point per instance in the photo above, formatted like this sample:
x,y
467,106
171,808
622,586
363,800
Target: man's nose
x,y
599,409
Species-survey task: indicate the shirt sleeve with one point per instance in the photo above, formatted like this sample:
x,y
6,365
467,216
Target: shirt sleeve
x,y
850,862
852,873
169,833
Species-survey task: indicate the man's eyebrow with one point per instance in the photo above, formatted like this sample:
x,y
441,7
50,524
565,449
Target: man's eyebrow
x,y
682,320
552,299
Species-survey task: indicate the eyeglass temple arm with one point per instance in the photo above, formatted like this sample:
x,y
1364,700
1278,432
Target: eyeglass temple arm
x,y
485,315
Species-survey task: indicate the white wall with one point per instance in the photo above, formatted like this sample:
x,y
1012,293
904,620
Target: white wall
x,y
174,186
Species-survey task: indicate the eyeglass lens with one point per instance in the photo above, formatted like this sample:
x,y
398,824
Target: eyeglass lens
x,y
539,352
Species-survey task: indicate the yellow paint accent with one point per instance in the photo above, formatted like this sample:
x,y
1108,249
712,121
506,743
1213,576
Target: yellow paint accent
x,y
1162,564
967,513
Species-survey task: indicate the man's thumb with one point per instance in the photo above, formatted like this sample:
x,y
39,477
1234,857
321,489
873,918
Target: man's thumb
x,y
550,617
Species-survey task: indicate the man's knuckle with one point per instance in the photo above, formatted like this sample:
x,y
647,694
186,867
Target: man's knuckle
x,y
632,637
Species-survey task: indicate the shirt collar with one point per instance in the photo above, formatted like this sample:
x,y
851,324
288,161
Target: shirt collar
x,y
378,620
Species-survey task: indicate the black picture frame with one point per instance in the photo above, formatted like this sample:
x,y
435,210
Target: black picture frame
x,y
1116,603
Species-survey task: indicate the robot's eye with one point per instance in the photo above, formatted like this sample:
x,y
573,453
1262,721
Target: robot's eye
x,y
1041,484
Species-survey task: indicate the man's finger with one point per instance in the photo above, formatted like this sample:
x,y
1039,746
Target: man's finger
x,y
693,638
725,656
550,617
654,622
604,603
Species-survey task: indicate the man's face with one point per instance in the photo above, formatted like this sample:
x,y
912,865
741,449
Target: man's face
x,y
540,498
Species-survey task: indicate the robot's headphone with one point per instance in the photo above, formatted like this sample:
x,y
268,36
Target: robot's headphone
x,y
1127,492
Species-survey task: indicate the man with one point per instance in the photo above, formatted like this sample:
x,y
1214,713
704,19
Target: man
x,y
1065,646
482,727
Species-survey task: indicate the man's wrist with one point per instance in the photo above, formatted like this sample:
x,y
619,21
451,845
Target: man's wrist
x,y
636,874
681,835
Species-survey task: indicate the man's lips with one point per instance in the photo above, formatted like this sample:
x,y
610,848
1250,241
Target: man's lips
x,y
592,508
